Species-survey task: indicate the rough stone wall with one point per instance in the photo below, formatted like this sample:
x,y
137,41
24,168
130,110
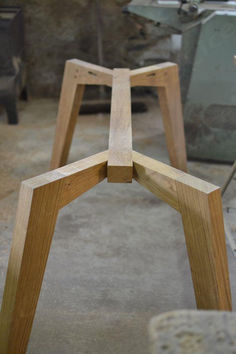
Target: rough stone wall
x,y
56,30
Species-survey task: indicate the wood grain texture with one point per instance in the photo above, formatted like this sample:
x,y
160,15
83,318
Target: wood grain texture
x,y
200,206
154,75
41,197
201,209
120,165
157,177
39,201
171,108
166,78
77,74
69,105
91,74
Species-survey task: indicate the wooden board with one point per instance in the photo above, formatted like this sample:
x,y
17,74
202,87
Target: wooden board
x,y
157,177
171,108
120,165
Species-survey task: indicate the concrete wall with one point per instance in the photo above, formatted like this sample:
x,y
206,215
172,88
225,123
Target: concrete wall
x,y
58,30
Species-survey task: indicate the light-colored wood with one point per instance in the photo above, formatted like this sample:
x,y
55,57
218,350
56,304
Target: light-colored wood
x,y
91,74
81,176
39,202
77,73
157,177
200,205
35,222
41,197
120,165
154,75
201,209
69,105
171,108
166,78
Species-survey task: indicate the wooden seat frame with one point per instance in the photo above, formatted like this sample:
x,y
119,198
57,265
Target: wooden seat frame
x,y
198,202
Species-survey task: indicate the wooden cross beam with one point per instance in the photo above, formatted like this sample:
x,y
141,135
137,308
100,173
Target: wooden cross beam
x,y
120,164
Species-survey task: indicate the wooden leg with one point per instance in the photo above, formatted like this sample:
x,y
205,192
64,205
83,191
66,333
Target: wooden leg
x,y
40,199
69,105
205,240
77,74
200,205
171,107
35,222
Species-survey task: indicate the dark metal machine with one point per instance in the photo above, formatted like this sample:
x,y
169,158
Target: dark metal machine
x,y
207,72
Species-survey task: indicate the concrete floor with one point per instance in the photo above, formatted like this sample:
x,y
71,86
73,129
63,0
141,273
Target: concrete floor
x,y
118,255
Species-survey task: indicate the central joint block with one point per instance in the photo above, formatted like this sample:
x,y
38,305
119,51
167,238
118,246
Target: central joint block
x,y
120,163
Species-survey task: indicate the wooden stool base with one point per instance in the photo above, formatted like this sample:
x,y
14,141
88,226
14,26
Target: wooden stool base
x,y
198,202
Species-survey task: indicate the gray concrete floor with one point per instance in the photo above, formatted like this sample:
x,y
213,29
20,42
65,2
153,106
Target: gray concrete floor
x,y
118,255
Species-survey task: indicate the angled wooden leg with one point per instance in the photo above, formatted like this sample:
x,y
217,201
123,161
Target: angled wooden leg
x,y
201,209
171,108
200,205
77,74
40,199
166,78
35,222
69,105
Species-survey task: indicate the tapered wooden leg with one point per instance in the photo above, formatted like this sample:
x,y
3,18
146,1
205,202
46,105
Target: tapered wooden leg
x,y
77,74
200,205
40,199
202,217
35,222
69,105
171,108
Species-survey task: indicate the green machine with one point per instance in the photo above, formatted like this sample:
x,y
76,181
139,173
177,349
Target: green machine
x,y
207,70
